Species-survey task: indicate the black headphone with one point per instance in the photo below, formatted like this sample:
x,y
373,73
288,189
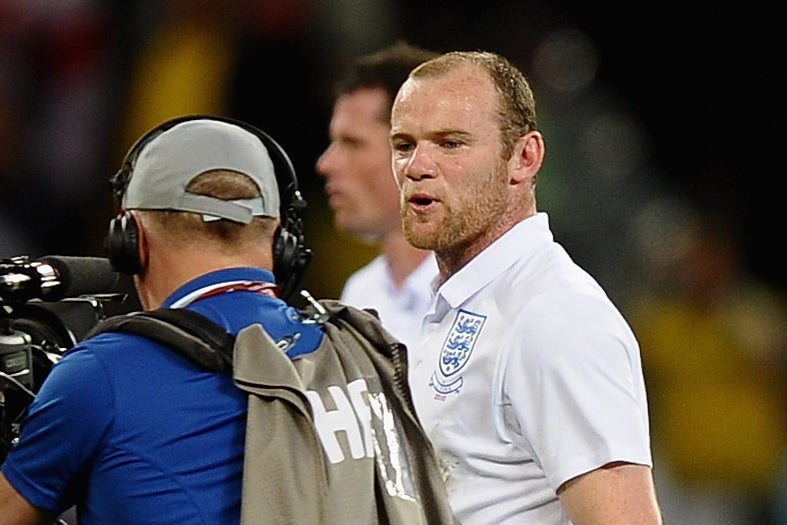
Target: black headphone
x,y
290,255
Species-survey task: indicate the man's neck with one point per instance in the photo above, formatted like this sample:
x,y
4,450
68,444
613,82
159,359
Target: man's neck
x,y
168,270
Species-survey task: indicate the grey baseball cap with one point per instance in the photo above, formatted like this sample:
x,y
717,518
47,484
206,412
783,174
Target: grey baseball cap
x,y
167,164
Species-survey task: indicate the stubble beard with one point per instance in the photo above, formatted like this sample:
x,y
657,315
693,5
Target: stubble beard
x,y
459,224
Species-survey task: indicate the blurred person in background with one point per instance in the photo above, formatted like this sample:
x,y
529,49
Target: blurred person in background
x,y
527,378
363,194
714,351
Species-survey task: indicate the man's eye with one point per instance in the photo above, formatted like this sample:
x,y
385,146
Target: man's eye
x,y
402,147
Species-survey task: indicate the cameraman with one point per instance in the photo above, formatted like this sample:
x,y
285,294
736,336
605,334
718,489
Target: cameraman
x,y
124,428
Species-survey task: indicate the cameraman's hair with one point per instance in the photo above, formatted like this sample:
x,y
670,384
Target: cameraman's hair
x,y
516,102
221,184
386,69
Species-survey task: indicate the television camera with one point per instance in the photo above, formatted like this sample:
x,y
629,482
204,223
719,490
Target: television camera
x,y
46,307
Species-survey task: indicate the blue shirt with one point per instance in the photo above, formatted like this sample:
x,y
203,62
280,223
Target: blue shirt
x,y
132,432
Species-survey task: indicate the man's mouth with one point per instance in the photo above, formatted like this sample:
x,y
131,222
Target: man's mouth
x,y
421,201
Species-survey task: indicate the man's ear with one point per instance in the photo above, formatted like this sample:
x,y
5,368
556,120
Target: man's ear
x,y
143,251
527,158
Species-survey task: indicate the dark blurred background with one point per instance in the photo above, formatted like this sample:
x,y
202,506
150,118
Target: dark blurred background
x,y
655,99
659,118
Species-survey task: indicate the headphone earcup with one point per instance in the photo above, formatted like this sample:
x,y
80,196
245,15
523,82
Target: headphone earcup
x,y
285,252
290,256
122,245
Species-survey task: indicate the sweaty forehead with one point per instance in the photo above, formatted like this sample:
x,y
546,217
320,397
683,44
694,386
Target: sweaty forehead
x,y
462,80
463,92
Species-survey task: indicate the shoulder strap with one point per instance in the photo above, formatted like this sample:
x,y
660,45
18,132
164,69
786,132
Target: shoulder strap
x,y
189,333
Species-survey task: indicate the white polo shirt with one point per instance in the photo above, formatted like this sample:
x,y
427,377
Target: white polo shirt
x,y
401,310
526,376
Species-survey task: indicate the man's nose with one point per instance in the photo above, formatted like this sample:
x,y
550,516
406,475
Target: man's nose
x,y
421,163
325,163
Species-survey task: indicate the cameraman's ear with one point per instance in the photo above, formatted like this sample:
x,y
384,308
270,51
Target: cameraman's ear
x,y
143,250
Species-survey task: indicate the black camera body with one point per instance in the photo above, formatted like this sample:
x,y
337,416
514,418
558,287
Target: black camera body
x,y
34,335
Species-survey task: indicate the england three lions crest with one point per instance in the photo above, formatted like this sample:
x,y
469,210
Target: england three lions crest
x,y
456,351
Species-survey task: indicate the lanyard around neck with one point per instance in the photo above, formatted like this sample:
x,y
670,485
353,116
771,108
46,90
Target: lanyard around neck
x,y
262,287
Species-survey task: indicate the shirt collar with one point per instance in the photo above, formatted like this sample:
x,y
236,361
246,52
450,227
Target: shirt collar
x,y
217,277
523,239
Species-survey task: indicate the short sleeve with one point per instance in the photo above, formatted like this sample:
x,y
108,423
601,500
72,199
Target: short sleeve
x,y
574,381
62,431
